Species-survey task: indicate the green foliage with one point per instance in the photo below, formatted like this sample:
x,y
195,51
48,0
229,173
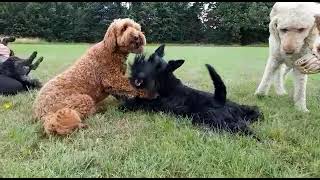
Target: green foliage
x,y
238,22
179,22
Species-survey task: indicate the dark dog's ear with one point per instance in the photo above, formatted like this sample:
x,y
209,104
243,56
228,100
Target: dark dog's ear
x,y
160,50
138,60
174,64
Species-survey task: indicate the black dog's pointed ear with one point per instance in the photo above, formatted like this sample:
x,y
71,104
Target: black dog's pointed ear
x,y
138,59
174,64
160,50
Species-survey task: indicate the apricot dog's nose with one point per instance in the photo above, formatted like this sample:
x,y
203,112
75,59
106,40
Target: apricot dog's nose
x,y
138,40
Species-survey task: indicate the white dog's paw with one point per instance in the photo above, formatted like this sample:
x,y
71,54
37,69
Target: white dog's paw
x,y
260,94
281,92
305,110
302,108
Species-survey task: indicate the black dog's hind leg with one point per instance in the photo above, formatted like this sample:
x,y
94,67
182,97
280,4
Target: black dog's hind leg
x,y
240,127
247,131
35,65
29,61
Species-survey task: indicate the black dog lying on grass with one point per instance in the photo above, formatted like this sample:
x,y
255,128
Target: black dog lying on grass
x,y
19,69
214,110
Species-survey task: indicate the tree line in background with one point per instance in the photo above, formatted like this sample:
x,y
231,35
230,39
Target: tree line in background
x,y
174,22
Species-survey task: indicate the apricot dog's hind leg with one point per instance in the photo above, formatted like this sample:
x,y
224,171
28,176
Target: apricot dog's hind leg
x,y
69,118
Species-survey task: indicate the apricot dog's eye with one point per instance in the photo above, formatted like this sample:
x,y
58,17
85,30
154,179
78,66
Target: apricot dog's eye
x,y
124,28
284,30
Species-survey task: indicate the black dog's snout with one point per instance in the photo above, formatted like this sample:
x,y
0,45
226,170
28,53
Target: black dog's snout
x,y
141,75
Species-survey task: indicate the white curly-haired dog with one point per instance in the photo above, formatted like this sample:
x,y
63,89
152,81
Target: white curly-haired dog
x,y
292,33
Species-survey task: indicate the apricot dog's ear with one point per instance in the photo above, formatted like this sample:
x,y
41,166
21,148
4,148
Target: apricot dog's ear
x,y
110,38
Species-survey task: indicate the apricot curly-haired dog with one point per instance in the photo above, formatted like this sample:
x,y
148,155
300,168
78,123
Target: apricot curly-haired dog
x,y
64,101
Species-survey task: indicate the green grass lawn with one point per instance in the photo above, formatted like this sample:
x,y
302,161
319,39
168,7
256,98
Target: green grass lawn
x,y
140,144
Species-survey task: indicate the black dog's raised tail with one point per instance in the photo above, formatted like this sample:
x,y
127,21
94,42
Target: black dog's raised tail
x,y
220,93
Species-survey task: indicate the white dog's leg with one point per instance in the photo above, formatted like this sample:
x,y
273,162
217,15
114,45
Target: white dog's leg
x,y
271,67
279,80
286,71
300,85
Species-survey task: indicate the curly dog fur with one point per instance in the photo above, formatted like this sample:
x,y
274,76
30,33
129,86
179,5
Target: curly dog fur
x,y
316,44
64,101
292,33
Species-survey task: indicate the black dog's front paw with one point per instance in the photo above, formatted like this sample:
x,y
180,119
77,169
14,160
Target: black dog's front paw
x,y
122,108
120,97
125,108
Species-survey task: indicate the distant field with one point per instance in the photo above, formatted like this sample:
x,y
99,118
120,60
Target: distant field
x,y
140,144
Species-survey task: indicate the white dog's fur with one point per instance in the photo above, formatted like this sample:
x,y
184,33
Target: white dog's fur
x,y
292,33
316,44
